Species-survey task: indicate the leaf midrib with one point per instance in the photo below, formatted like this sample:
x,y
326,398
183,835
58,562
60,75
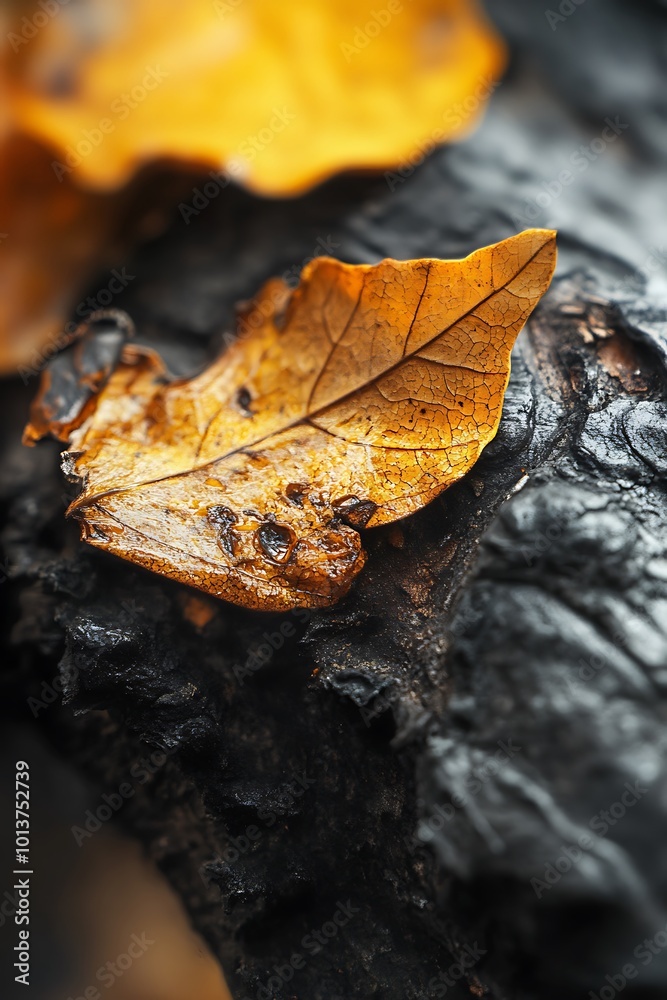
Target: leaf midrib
x,y
308,417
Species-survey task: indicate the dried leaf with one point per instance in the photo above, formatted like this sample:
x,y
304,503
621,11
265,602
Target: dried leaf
x,y
354,401
281,95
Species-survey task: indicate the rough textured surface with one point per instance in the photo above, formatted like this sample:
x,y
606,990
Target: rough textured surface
x,y
495,680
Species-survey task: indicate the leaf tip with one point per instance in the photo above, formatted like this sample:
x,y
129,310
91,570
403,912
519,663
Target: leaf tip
x,y
541,237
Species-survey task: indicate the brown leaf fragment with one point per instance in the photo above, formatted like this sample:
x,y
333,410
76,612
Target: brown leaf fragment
x,y
378,390
77,374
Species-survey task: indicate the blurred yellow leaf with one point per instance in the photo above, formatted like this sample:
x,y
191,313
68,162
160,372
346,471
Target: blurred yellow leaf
x,y
279,95
273,96
51,244
55,238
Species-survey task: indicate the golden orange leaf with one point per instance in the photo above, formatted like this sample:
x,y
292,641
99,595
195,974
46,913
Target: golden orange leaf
x,y
353,401
279,95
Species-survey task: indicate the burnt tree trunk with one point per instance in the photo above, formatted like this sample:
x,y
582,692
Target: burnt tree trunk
x,y
466,760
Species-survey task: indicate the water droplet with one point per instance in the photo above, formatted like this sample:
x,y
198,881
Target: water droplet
x,y
276,541
224,519
243,401
353,511
295,492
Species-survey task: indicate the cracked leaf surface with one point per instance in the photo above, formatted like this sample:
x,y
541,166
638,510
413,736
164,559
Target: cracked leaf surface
x,y
353,401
